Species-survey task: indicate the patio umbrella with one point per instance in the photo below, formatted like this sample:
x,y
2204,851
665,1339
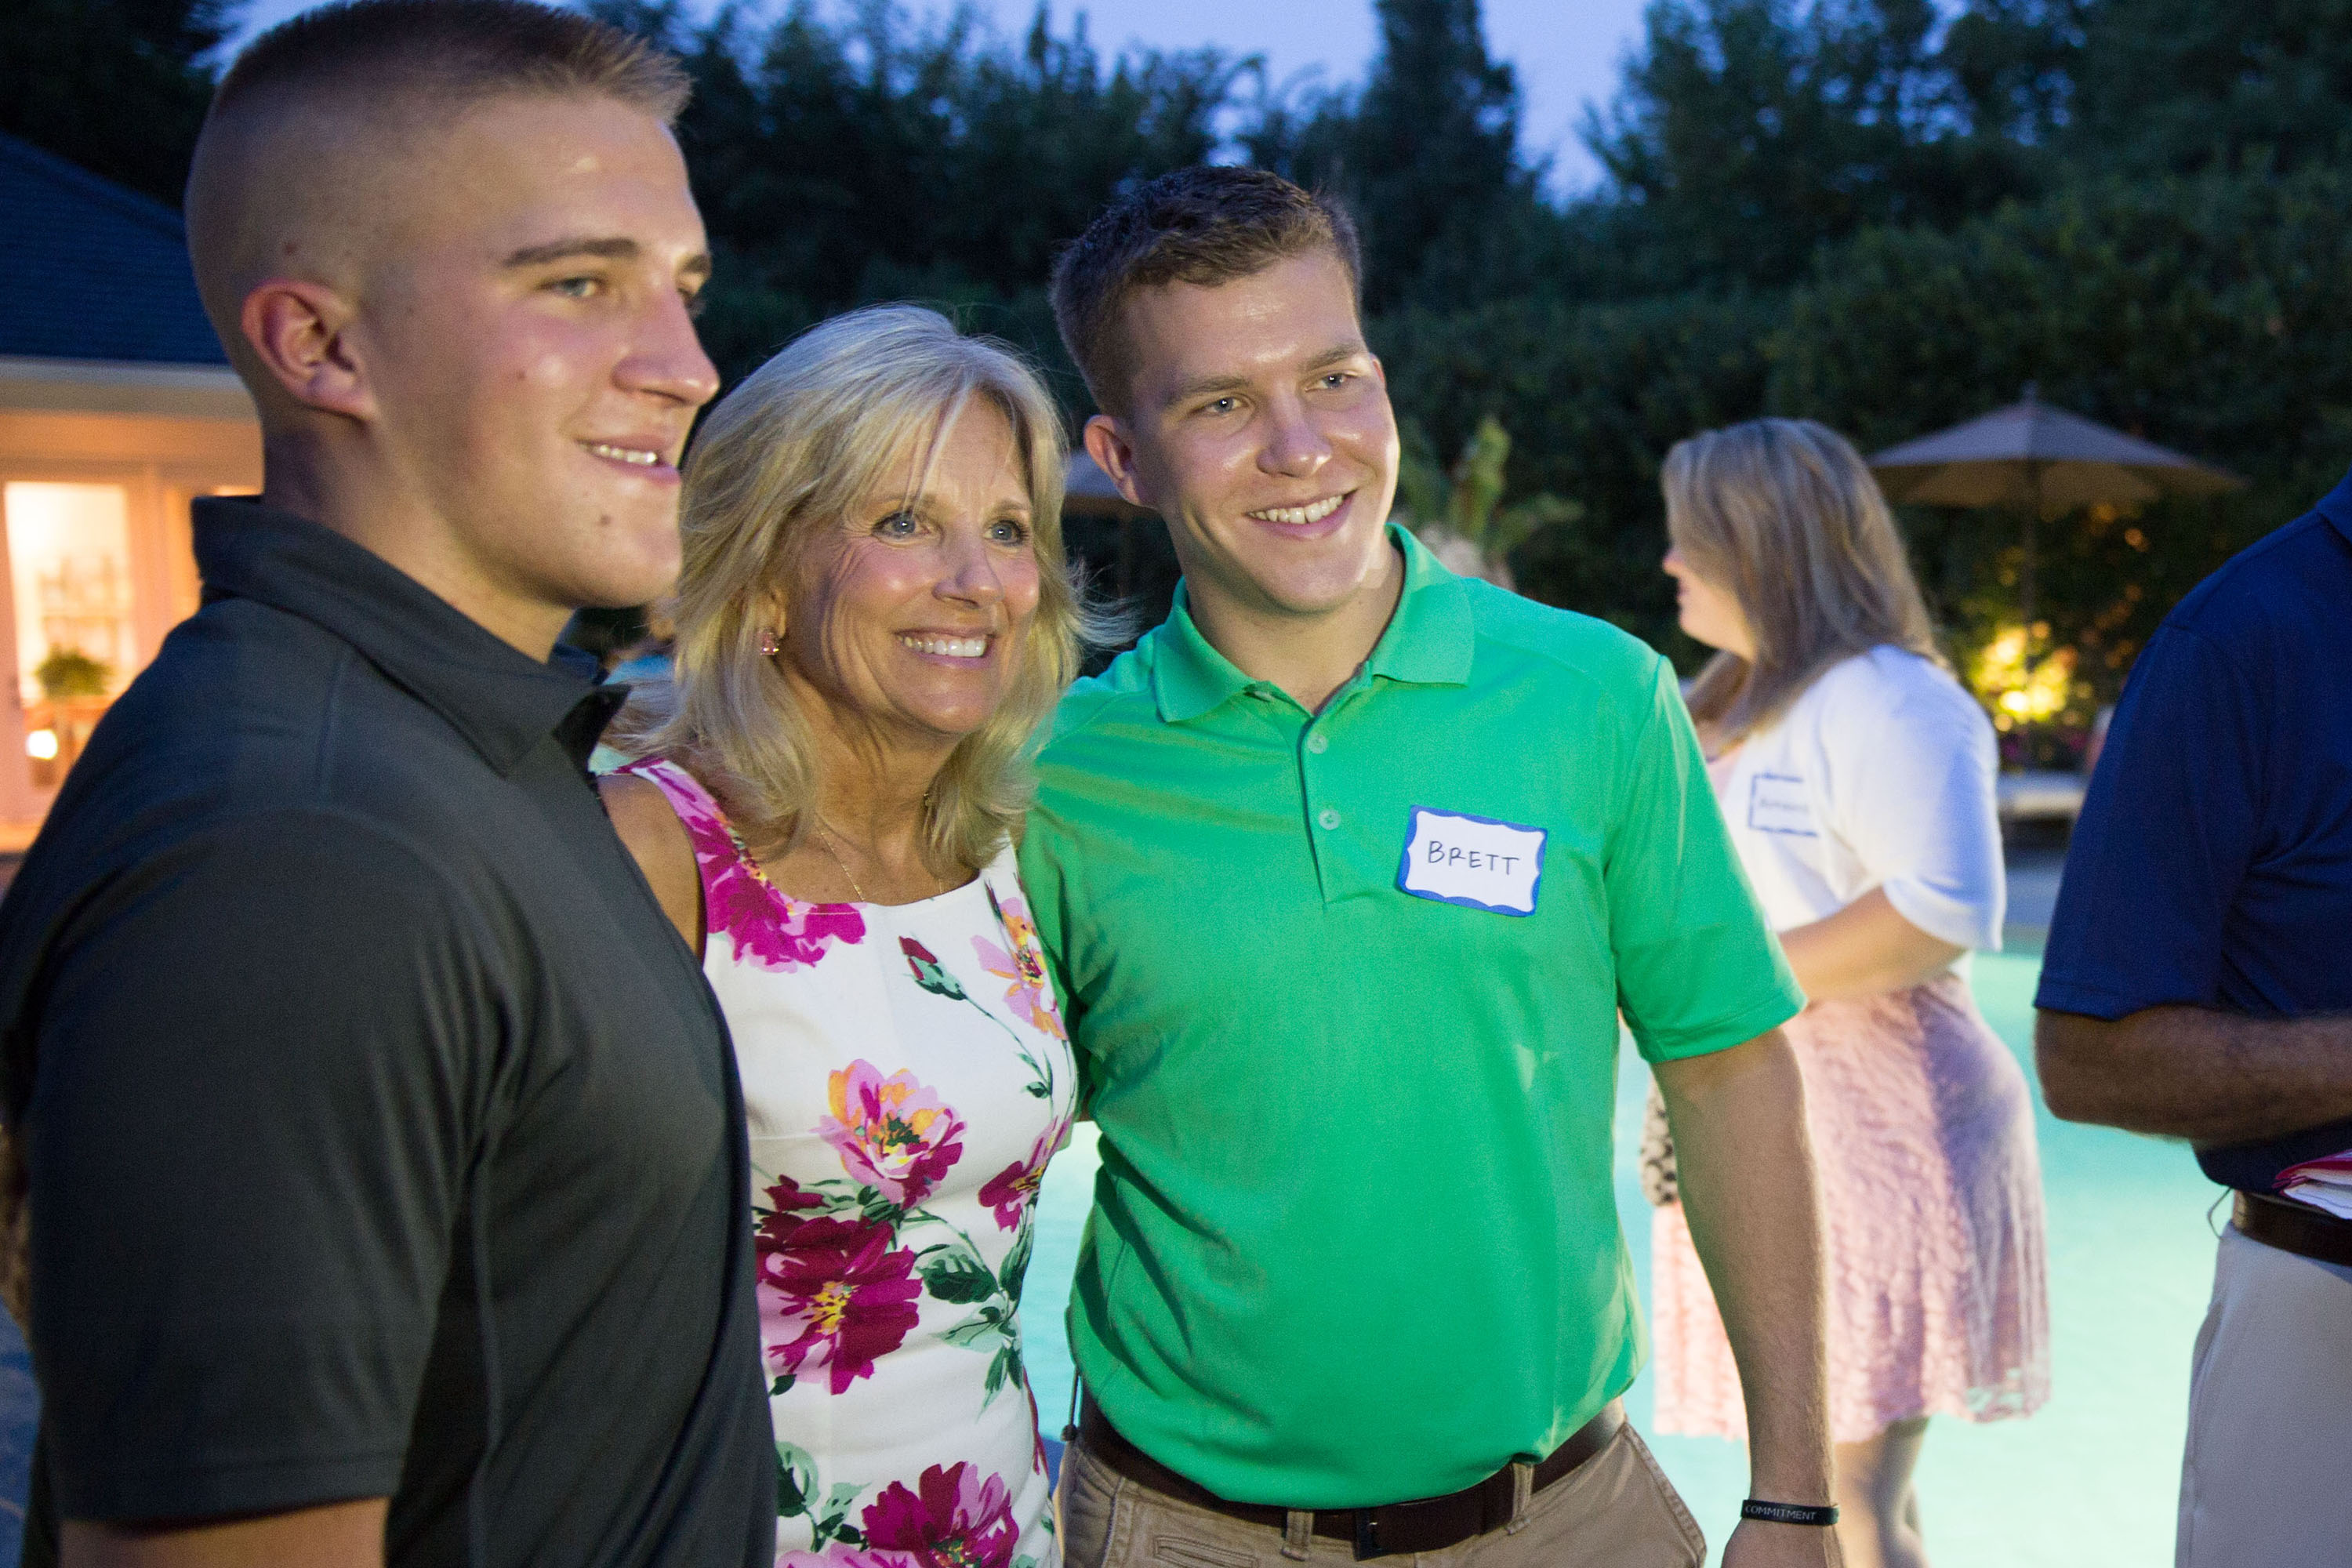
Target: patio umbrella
x,y
2043,463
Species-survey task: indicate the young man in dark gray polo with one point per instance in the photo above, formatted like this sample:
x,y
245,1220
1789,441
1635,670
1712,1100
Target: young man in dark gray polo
x,y
385,1160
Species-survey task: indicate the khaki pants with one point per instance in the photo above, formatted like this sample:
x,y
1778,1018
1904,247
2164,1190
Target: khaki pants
x,y
2265,1482
1615,1509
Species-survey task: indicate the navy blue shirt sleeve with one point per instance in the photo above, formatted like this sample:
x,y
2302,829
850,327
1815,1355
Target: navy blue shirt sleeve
x,y
259,1090
2167,833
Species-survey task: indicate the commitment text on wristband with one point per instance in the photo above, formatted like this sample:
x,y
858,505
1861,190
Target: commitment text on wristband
x,y
1789,1512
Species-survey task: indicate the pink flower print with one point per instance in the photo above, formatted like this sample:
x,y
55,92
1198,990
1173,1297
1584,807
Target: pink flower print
x,y
844,1560
892,1134
768,929
954,1519
772,931
782,1216
1030,994
835,1294
1012,1189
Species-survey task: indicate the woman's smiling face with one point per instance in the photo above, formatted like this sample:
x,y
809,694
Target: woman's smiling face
x,y
909,619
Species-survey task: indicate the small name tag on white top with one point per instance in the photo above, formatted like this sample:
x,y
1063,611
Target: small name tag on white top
x,y
1777,804
1472,861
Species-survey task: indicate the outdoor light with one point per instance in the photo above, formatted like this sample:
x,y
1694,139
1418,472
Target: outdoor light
x,y
42,745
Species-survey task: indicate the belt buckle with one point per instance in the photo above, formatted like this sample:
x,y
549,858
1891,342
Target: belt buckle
x,y
1368,1534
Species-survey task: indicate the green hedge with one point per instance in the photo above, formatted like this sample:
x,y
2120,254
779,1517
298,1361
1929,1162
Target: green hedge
x,y
2212,315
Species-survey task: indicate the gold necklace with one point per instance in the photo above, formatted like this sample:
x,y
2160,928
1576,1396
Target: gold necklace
x,y
826,842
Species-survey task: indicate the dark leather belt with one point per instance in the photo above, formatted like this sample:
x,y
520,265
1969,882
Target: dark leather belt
x,y
1432,1524
2294,1228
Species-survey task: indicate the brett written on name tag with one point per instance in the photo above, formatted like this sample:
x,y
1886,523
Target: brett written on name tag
x,y
1472,860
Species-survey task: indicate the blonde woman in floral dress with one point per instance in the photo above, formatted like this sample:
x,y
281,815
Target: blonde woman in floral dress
x,y
872,617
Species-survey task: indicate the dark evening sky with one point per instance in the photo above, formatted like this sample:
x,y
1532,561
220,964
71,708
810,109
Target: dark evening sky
x,y
1566,51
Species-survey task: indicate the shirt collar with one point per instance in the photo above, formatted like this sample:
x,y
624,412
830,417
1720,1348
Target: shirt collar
x,y
1429,641
1431,637
2336,507
500,700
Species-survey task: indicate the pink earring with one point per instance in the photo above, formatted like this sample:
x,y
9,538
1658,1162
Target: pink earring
x,y
769,646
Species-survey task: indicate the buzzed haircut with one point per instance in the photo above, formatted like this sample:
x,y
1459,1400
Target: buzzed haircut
x,y
326,101
455,51
1203,226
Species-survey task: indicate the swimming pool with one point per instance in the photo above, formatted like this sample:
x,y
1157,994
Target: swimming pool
x,y
2086,1482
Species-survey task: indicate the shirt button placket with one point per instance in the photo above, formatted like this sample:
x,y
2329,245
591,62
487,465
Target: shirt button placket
x,y
1326,818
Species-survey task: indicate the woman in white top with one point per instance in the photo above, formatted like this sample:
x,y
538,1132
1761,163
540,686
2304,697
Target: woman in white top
x,y
1857,777
873,615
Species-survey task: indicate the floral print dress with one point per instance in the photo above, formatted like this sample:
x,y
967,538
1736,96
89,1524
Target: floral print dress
x,y
907,1076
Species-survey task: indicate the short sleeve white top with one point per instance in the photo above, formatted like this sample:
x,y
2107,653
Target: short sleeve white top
x,y
1879,775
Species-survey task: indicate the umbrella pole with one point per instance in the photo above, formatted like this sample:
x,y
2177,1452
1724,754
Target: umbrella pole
x,y
2025,587
2035,473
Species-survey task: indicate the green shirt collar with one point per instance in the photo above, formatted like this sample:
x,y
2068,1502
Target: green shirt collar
x,y
1429,641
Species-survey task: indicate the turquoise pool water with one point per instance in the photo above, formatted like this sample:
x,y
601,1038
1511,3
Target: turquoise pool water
x,y
2087,1482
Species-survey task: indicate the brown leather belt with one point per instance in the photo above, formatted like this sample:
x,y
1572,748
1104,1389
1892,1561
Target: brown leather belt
x,y
2294,1228
1432,1524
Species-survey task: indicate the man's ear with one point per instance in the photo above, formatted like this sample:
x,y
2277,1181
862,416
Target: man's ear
x,y
1112,447
297,330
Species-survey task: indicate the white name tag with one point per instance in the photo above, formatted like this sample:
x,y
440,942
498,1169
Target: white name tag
x,y
1777,804
1472,861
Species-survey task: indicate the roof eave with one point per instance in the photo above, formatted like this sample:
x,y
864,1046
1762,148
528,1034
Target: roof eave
x,y
115,386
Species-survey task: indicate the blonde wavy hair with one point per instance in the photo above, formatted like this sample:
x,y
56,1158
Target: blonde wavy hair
x,y
804,440
1784,515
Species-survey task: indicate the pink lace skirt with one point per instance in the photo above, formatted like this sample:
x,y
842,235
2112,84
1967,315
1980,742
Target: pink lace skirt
x,y
1931,1205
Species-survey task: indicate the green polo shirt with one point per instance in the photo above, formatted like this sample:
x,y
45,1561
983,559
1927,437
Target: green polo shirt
x,y
1355,1239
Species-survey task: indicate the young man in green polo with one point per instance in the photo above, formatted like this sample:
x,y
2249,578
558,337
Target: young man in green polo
x,y
1347,871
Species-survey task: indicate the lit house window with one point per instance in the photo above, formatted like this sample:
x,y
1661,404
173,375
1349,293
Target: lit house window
x,y
70,556
70,564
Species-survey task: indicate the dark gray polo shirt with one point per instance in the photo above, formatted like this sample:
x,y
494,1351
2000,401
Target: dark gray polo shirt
x,y
382,1136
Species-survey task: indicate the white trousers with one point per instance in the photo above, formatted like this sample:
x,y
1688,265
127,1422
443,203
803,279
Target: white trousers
x,y
2267,1479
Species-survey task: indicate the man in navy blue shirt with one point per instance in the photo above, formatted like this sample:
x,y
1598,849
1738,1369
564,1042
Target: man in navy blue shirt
x,y
2199,985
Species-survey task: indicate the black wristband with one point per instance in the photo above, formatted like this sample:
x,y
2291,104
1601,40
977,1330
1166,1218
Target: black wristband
x,y
1789,1512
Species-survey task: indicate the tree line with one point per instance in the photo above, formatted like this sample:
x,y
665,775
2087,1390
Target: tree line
x,y
1887,214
